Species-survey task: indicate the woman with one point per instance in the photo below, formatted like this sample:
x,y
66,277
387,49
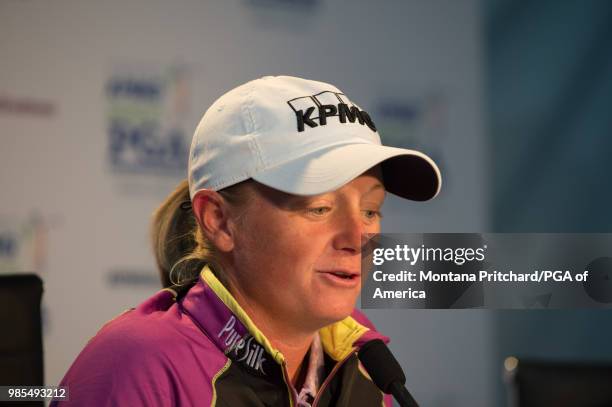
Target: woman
x,y
286,180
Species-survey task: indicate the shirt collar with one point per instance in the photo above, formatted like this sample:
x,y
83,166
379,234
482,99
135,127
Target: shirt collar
x,y
229,327
315,374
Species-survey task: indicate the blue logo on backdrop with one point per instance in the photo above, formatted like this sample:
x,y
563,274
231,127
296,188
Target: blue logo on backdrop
x,y
23,244
421,123
412,124
8,244
146,122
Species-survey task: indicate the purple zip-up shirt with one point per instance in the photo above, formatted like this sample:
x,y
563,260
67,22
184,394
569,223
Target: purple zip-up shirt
x,y
167,352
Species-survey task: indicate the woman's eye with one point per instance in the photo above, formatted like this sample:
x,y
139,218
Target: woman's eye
x,y
322,210
371,214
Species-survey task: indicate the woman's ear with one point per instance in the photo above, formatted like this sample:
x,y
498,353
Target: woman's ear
x,y
212,214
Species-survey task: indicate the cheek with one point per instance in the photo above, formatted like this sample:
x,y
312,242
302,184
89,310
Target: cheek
x,y
373,228
268,240
286,250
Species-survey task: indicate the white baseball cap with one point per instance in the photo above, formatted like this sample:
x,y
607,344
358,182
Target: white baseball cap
x,y
302,137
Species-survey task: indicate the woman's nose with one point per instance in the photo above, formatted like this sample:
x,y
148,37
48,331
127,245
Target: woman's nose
x,y
351,232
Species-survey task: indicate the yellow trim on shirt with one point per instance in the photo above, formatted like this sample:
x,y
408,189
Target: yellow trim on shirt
x,y
171,291
213,401
227,298
337,339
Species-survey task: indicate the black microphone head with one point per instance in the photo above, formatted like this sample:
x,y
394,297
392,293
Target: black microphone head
x,y
381,365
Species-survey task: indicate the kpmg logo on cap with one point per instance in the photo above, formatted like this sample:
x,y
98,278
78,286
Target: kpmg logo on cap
x,y
314,111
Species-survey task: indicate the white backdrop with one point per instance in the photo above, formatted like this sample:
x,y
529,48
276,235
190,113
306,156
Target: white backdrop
x,y
77,193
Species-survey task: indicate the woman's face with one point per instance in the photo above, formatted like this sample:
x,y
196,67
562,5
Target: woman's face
x,y
299,258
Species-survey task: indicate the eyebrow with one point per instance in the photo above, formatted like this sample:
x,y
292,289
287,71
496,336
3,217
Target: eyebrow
x,y
377,186
294,201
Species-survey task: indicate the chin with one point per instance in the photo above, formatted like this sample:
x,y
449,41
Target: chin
x,y
336,311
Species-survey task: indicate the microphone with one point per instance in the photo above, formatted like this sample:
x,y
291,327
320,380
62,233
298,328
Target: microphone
x,y
385,371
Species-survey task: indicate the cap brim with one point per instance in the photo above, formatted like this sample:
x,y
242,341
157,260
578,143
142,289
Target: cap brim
x,y
407,173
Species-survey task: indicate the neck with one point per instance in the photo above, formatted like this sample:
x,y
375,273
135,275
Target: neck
x,y
291,340
292,343
294,356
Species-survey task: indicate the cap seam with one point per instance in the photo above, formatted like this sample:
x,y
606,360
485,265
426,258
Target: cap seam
x,y
231,181
192,149
252,142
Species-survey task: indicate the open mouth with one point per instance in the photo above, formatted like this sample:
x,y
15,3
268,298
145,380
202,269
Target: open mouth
x,y
341,278
345,276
